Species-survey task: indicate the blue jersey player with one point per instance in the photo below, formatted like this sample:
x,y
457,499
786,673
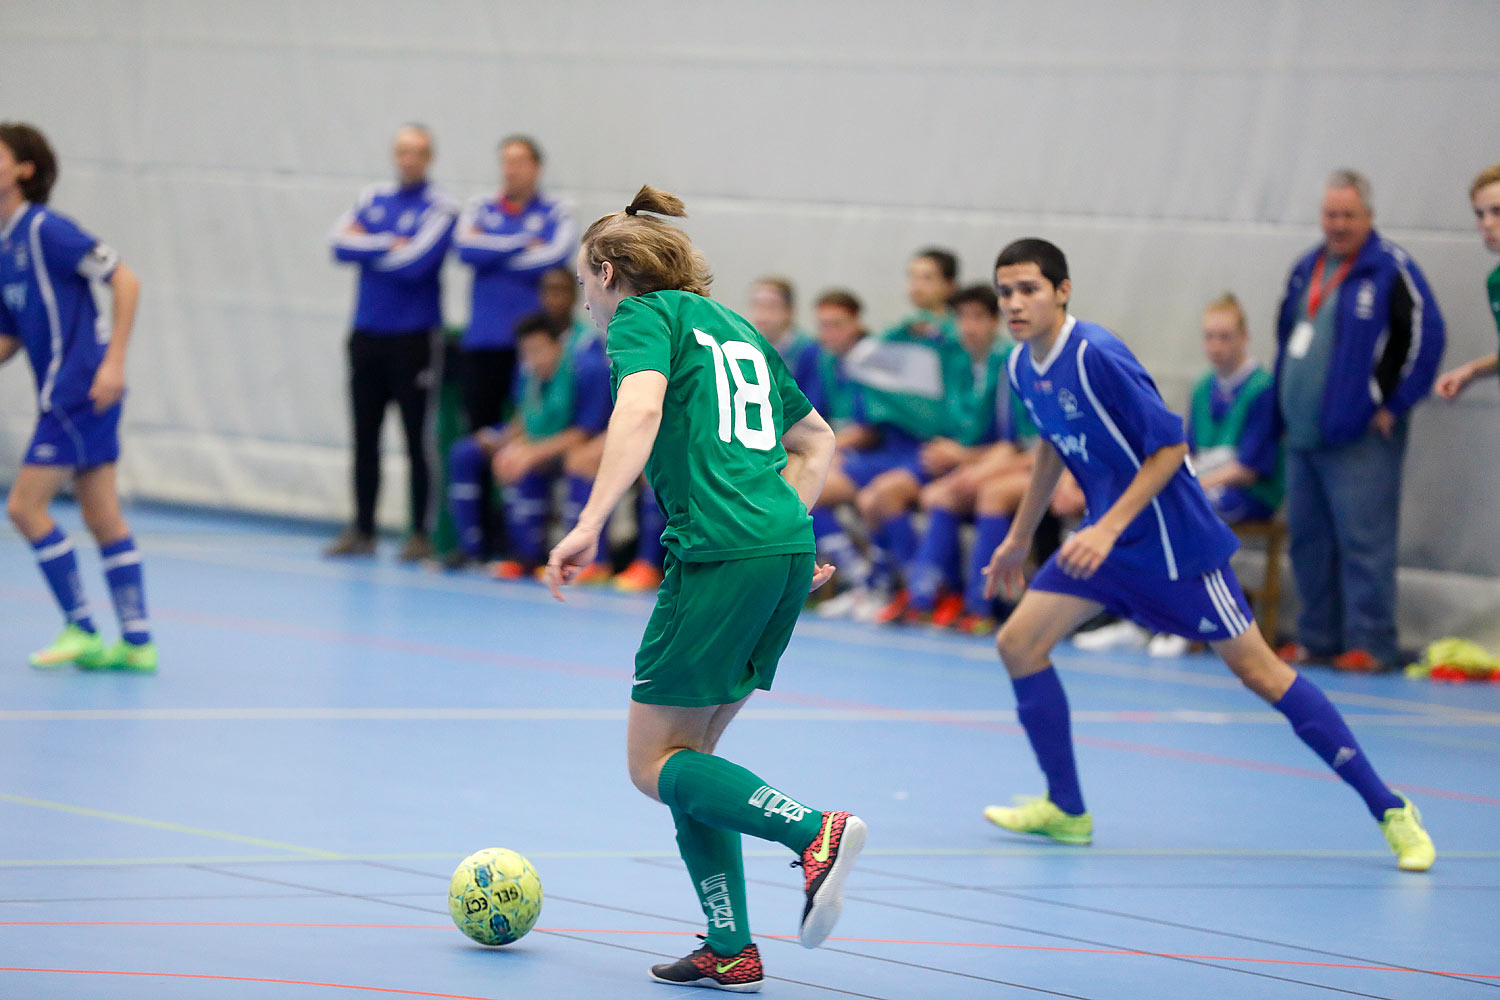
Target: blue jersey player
x,y
50,272
1150,548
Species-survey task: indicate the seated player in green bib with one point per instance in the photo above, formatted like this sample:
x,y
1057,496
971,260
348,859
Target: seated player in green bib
x,y
562,403
981,471
1231,423
1484,196
706,407
906,377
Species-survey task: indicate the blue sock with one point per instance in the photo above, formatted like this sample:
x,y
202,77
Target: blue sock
x,y
578,495
990,531
465,463
899,538
1322,728
834,544
929,567
54,556
650,548
1042,707
526,513
122,569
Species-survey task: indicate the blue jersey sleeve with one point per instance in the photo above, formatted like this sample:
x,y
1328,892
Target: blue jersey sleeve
x,y
1258,447
1124,390
68,248
591,399
7,322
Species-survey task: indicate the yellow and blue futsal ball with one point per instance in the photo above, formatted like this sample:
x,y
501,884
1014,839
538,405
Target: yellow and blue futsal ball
x,y
495,896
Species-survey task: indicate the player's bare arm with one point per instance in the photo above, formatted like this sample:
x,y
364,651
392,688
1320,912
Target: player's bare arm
x,y
8,348
109,381
1082,554
627,446
1003,574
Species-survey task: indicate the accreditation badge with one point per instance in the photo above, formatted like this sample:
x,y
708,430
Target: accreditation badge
x,y
1301,339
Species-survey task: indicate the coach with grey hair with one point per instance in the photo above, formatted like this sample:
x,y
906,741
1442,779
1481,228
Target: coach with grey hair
x,y
1359,338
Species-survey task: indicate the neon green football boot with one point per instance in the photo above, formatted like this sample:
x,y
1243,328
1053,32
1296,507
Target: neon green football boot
x,y
125,656
1041,817
1403,831
73,644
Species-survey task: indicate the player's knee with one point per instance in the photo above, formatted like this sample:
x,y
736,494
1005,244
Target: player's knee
x,y
581,461
935,496
1019,650
18,513
1259,669
645,772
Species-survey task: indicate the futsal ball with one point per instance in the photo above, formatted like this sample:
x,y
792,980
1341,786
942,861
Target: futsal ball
x,y
495,896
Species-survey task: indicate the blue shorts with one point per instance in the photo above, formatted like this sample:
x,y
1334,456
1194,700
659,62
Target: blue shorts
x,y
80,439
1208,608
863,466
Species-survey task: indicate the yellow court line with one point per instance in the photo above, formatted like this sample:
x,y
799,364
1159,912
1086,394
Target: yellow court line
x,y
157,824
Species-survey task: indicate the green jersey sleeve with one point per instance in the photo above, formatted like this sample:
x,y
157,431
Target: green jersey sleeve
x,y
639,340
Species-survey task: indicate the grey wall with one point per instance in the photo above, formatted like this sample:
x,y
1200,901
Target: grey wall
x,y
1173,148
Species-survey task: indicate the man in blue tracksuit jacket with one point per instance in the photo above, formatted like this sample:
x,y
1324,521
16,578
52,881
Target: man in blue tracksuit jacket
x,y
397,235
1359,340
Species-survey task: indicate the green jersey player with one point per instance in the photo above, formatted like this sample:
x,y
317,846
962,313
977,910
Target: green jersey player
x,y
736,454
1484,195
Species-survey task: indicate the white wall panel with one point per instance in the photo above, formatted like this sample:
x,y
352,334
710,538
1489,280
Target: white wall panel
x,y
1173,148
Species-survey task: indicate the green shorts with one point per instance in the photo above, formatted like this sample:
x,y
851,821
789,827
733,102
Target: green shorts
x,y
719,628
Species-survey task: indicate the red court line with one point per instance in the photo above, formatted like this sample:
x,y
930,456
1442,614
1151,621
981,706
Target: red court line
x,y
249,979
573,668
675,933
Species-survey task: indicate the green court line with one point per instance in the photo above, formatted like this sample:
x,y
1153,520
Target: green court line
x,y
157,824
890,852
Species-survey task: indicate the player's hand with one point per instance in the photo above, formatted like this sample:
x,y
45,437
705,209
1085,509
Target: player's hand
x,y
1383,423
1003,575
1450,384
355,227
821,575
1086,551
108,387
569,557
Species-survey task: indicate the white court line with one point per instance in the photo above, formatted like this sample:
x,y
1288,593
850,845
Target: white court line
x,y
1004,716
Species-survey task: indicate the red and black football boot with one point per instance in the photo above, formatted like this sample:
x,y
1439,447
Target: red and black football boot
x,y
825,865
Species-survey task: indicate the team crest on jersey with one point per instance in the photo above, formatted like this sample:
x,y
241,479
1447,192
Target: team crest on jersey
x,y
1069,403
1364,300
408,220
15,297
376,213
534,222
1044,385
1072,444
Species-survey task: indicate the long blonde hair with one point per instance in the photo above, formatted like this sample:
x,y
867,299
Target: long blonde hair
x,y
651,254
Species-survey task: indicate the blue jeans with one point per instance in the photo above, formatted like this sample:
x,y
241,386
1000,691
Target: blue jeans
x,y
1343,514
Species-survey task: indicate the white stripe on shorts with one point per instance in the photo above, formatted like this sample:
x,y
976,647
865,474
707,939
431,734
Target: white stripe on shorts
x,y
1224,601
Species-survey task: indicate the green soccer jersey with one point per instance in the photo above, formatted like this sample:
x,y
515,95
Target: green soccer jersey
x,y
1493,284
716,465
908,374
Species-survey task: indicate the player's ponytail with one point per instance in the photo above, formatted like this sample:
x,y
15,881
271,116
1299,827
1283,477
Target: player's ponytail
x,y
650,254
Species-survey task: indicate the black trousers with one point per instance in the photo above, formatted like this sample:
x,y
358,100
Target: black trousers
x,y
486,377
385,369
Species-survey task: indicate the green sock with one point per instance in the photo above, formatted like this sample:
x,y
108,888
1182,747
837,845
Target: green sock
x,y
715,791
717,868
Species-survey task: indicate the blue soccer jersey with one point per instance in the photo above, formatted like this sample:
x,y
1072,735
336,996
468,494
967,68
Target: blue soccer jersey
x,y
510,247
50,273
1099,409
399,238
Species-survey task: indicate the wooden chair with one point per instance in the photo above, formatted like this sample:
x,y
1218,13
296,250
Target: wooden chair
x,y
1266,598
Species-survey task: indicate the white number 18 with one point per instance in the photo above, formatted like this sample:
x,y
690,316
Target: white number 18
x,y
762,438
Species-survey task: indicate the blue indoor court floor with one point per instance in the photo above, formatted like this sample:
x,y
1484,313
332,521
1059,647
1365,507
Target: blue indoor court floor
x,y
277,812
